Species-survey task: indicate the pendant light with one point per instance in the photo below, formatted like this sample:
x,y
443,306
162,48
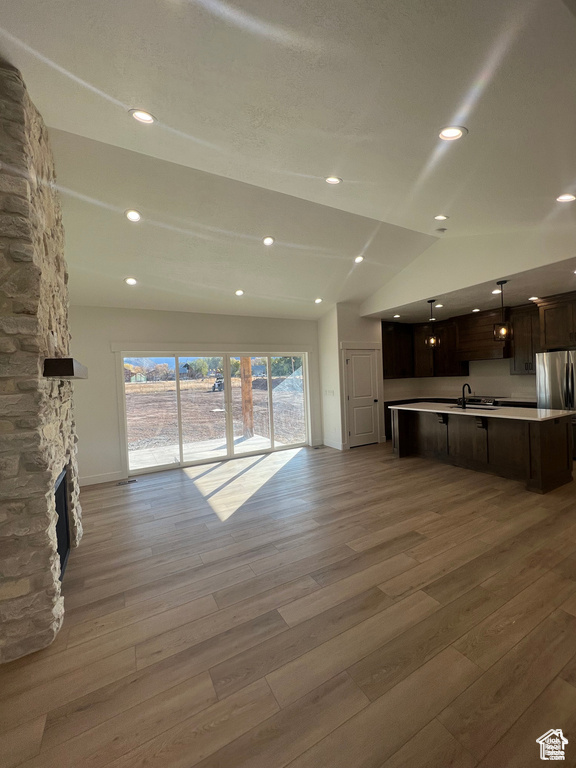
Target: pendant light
x,y
501,329
432,340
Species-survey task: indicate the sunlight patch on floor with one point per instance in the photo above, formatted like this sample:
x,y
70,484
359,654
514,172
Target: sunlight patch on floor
x,y
230,484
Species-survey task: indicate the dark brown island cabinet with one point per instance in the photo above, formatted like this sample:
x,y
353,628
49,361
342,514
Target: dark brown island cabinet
x,y
531,446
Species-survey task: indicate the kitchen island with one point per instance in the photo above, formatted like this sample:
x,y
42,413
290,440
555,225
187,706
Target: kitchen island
x,y
529,444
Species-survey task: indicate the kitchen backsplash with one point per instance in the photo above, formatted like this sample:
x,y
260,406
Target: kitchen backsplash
x,y
486,377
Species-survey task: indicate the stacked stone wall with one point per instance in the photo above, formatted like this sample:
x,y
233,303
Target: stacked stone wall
x,y
37,432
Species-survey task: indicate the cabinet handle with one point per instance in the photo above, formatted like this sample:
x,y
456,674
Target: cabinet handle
x,y
525,366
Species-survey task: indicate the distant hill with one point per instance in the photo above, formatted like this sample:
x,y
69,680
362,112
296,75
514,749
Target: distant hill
x,y
149,362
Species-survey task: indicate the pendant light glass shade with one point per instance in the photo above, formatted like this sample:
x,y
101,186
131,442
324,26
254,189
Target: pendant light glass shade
x,y
501,329
432,339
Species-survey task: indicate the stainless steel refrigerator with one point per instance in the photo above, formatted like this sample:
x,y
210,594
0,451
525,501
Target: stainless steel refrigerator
x,y
555,372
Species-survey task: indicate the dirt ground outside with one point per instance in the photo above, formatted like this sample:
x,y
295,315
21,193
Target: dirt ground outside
x,y
152,413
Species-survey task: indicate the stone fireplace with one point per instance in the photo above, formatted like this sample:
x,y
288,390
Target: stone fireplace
x,y
37,432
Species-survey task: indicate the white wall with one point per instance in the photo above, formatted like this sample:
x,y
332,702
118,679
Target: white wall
x,y
329,355
95,330
353,327
487,377
340,325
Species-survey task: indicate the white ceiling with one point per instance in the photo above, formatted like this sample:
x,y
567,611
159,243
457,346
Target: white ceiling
x,y
200,239
277,96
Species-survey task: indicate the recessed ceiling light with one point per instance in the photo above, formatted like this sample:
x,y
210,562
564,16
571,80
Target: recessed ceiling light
x,y
358,259
268,240
130,280
438,306
441,217
533,298
396,316
567,198
475,310
453,132
496,290
317,301
142,116
333,180
133,215
239,292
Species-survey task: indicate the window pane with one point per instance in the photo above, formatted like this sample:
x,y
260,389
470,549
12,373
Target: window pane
x,y
250,414
151,411
203,407
288,401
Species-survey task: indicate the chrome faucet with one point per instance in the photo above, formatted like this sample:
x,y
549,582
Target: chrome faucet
x,y
464,394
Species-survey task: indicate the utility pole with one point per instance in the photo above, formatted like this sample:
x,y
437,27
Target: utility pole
x,y
247,401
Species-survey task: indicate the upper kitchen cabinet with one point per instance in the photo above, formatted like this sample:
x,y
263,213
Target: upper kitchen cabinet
x,y
397,350
476,336
525,340
558,321
423,353
406,353
446,361
441,360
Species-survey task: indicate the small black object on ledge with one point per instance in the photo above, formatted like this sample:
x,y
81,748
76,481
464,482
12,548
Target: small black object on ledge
x,y
64,368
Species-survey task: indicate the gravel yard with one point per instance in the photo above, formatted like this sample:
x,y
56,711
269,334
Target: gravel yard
x,y
152,415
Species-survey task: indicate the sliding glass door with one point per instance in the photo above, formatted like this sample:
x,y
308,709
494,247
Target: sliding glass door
x,y
202,408
151,412
250,404
288,401
184,410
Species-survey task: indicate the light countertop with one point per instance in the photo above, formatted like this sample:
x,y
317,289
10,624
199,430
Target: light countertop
x,y
435,398
519,414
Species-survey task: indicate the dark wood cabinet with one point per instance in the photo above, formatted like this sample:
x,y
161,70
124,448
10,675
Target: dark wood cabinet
x,y
443,359
525,323
446,361
552,325
405,353
397,350
476,336
558,322
423,354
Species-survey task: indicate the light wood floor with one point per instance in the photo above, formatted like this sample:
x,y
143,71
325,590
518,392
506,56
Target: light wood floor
x,y
310,609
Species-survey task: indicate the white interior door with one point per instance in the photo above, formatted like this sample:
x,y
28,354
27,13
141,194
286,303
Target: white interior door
x,y
362,396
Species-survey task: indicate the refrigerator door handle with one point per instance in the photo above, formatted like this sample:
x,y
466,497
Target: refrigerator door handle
x,y
567,387
571,385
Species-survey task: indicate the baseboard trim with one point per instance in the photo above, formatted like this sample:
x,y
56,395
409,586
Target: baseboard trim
x,y
109,477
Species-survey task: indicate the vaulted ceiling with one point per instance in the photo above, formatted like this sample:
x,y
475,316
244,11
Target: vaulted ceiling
x,y
256,103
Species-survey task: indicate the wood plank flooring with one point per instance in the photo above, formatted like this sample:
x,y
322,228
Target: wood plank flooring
x,y
307,609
